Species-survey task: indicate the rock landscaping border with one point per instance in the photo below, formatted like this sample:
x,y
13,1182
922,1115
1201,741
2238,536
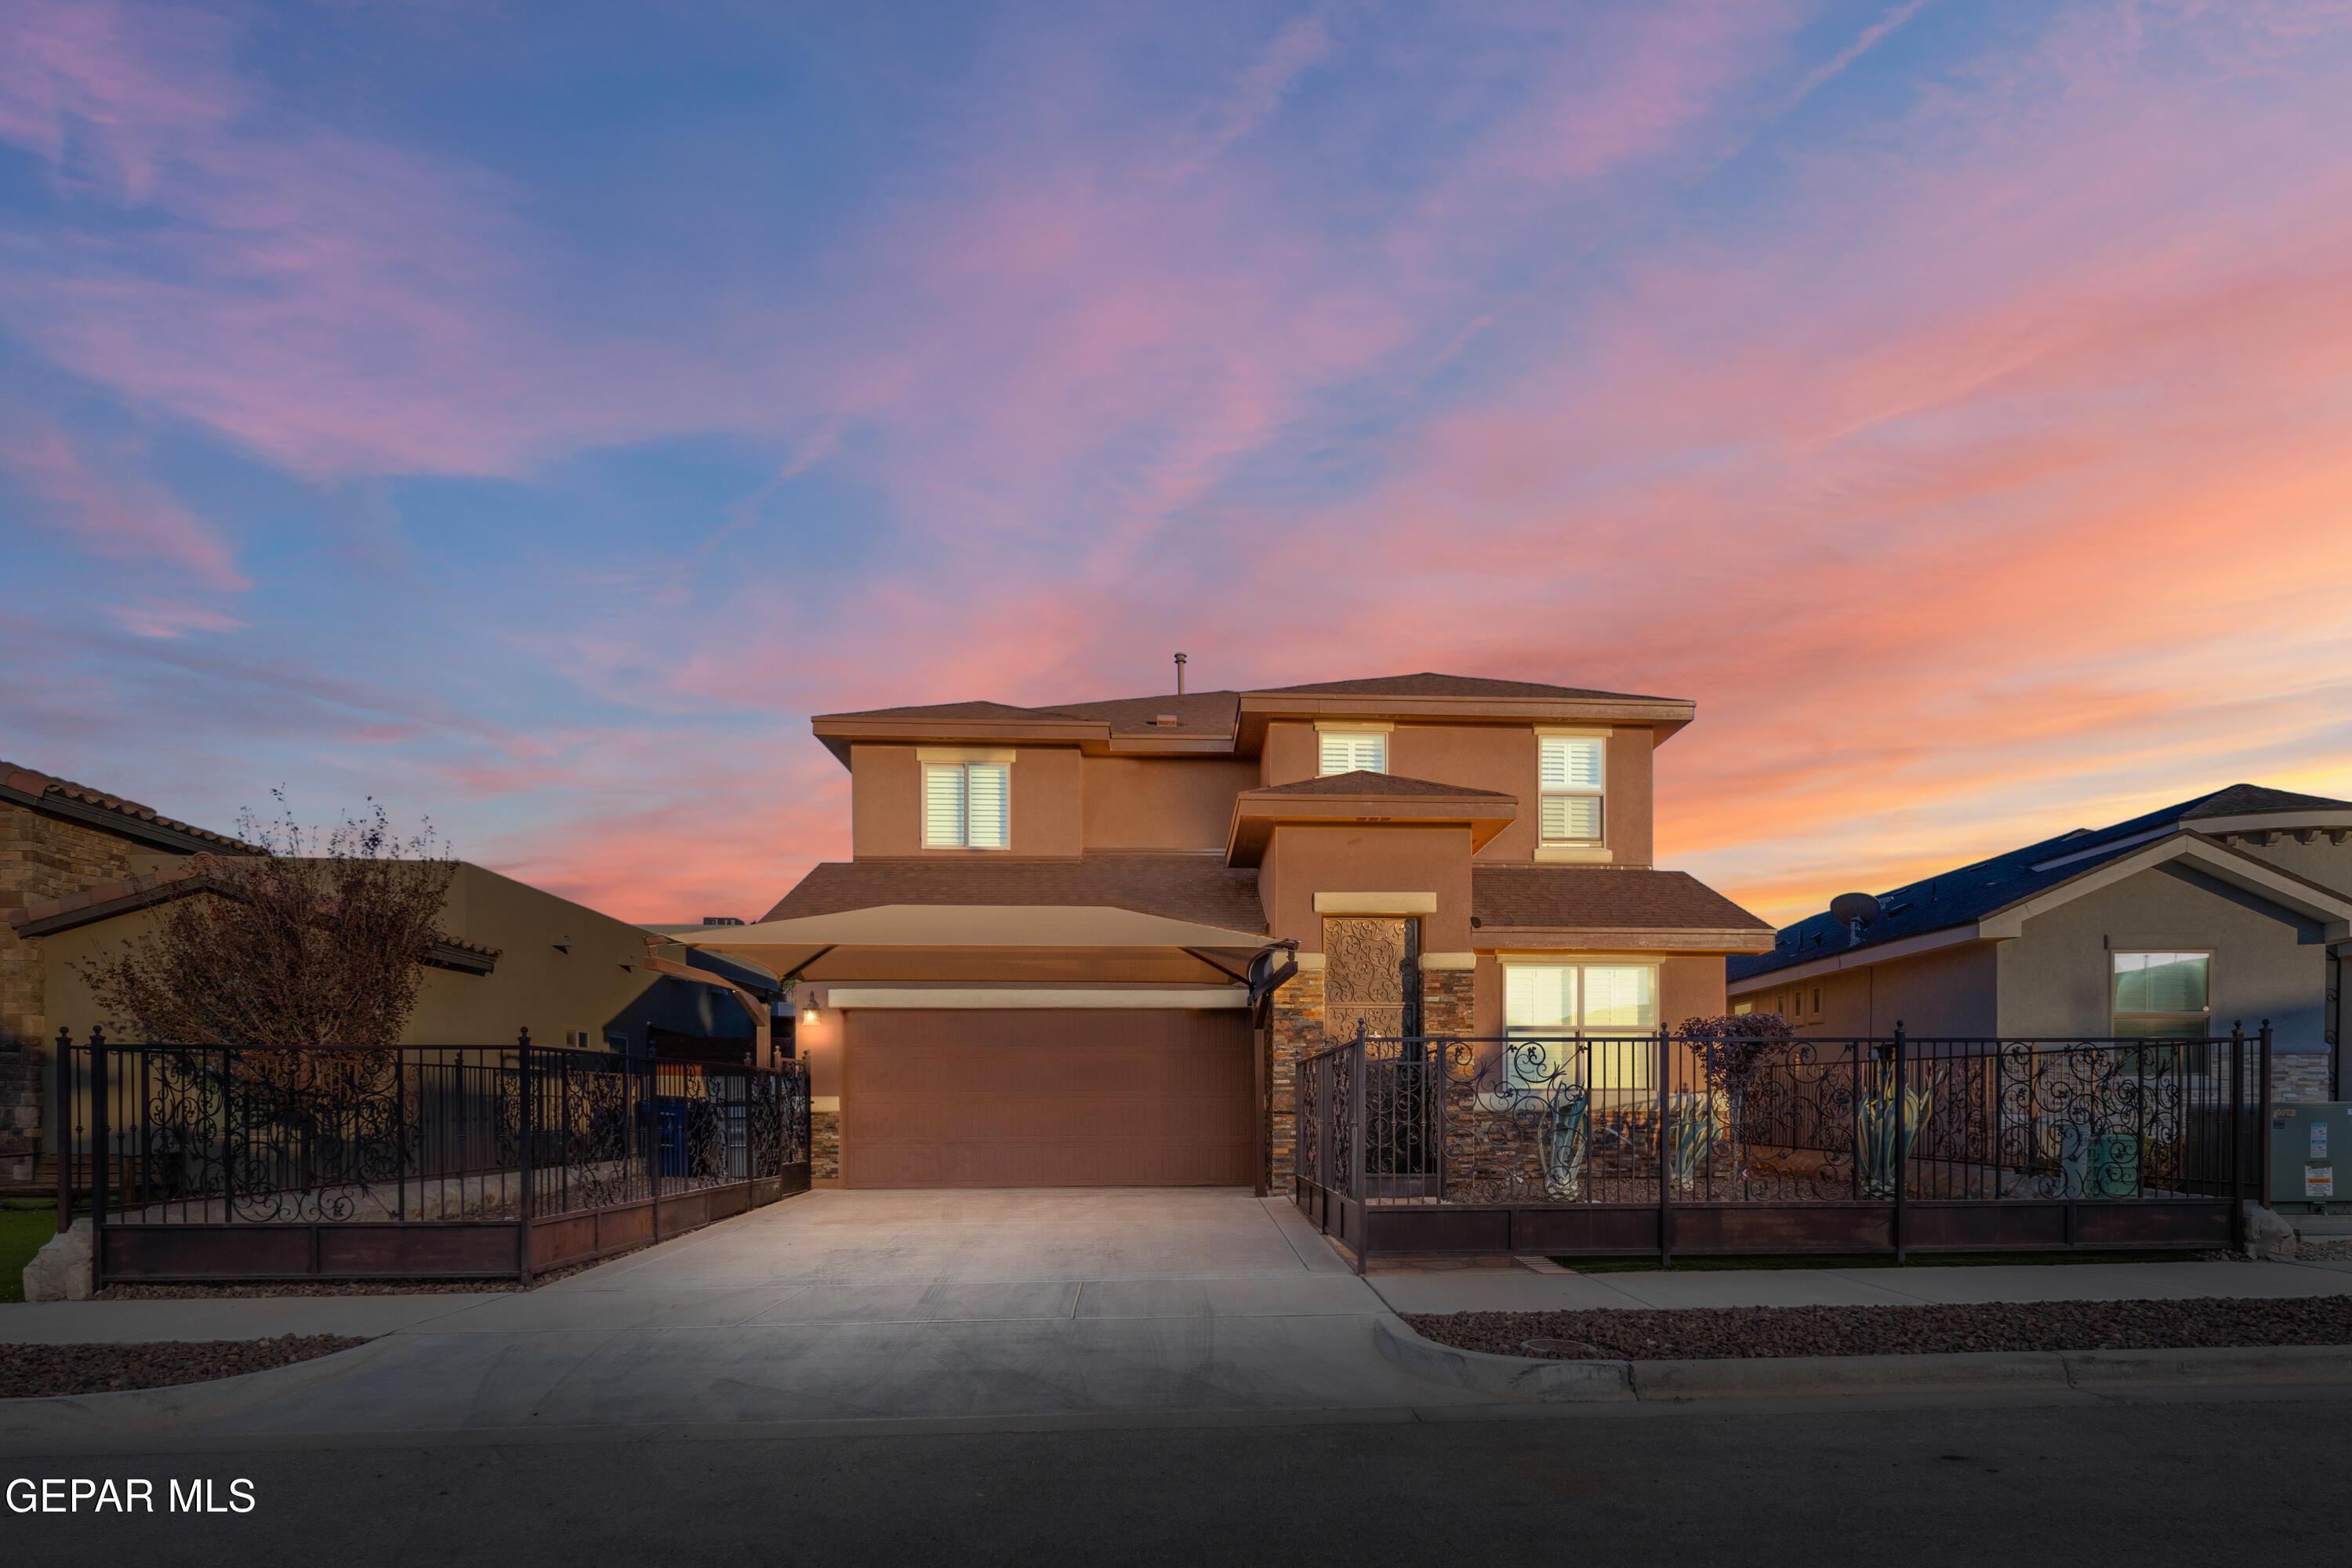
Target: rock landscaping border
x,y
46,1371
1706,1334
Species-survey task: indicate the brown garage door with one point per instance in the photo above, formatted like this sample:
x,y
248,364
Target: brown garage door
x,y
1046,1098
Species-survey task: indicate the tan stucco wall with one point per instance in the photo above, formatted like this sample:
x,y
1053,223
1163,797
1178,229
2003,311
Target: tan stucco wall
x,y
886,803
1948,991
536,984
1502,757
1161,802
1305,861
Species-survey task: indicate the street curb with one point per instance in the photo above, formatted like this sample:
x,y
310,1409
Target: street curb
x,y
1785,1377
66,1418
1516,1377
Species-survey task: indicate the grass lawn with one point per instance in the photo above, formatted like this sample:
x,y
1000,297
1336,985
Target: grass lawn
x,y
1917,1261
22,1233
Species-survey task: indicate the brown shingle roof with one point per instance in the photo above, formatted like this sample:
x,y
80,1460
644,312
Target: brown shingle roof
x,y
1429,683
1197,713
1600,898
954,710
1361,782
1197,887
39,784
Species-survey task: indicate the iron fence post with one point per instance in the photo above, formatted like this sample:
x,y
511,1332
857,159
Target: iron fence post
x,y
1665,1173
526,1093
63,1102
2263,1144
2237,1137
651,1090
1902,1147
97,1161
1356,1161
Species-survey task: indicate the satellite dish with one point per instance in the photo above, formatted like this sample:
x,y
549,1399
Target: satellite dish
x,y
1854,911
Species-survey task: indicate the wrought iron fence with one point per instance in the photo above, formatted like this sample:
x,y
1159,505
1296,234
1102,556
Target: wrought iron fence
x,y
160,1134
1657,1118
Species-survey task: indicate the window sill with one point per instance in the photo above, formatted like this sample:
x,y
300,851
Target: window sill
x,y
1575,854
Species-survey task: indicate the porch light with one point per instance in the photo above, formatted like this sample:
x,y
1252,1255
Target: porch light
x,y
808,1014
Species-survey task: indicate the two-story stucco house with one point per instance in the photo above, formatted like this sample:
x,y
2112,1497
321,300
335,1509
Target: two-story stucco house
x,y
1031,972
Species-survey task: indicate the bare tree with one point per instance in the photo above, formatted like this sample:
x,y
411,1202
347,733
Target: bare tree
x,y
317,942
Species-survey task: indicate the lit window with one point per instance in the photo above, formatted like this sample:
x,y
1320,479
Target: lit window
x,y
1608,1004
965,806
2162,996
1573,769
1354,751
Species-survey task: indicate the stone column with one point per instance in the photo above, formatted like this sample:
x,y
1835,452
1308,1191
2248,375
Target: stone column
x,y
1294,1031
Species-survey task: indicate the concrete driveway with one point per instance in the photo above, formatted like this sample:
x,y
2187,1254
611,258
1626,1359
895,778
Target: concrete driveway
x,y
850,1305
1006,1306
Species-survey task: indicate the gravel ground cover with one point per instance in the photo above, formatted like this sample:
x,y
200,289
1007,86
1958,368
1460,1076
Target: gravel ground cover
x,y
35,1372
1715,1333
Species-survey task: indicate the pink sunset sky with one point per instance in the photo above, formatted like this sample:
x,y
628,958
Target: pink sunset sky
x,y
528,416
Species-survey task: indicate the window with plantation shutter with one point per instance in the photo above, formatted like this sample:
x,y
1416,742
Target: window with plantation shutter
x,y
1347,752
966,805
1573,769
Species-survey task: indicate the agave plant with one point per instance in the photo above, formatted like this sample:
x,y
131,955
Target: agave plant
x,y
1694,1126
1876,1118
1566,1130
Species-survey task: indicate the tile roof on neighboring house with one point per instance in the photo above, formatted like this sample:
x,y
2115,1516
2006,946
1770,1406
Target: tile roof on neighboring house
x,y
81,803
1361,782
105,901
1969,892
1429,683
1599,898
1198,887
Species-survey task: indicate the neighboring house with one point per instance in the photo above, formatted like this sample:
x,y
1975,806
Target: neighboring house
x,y
513,958
79,867
2235,907
1031,972
59,839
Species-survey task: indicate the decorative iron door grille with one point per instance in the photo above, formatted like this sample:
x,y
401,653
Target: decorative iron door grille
x,y
1371,982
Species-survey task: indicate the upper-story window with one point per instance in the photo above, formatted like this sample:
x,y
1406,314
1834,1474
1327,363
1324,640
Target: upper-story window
x,y
1574,767
2163,994
1353,751
966,805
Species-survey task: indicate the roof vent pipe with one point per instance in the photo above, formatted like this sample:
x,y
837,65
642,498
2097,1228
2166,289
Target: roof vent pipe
x,y
1180,675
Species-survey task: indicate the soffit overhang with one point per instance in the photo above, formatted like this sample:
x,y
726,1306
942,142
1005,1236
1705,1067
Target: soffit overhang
x,y
793,942
1258,813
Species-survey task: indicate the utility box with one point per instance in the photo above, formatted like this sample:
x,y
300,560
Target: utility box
x,y
2311,1157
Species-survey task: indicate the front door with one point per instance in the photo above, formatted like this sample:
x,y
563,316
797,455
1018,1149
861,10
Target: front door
x,y
1372,974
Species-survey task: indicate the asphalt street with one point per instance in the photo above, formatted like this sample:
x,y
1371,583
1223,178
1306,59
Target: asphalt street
x,y
2210,1479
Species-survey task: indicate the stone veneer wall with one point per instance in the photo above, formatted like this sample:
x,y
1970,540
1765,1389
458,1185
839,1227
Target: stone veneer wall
x,y
40,858
1295,1030
824,1145
2300,1079
1445,1001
